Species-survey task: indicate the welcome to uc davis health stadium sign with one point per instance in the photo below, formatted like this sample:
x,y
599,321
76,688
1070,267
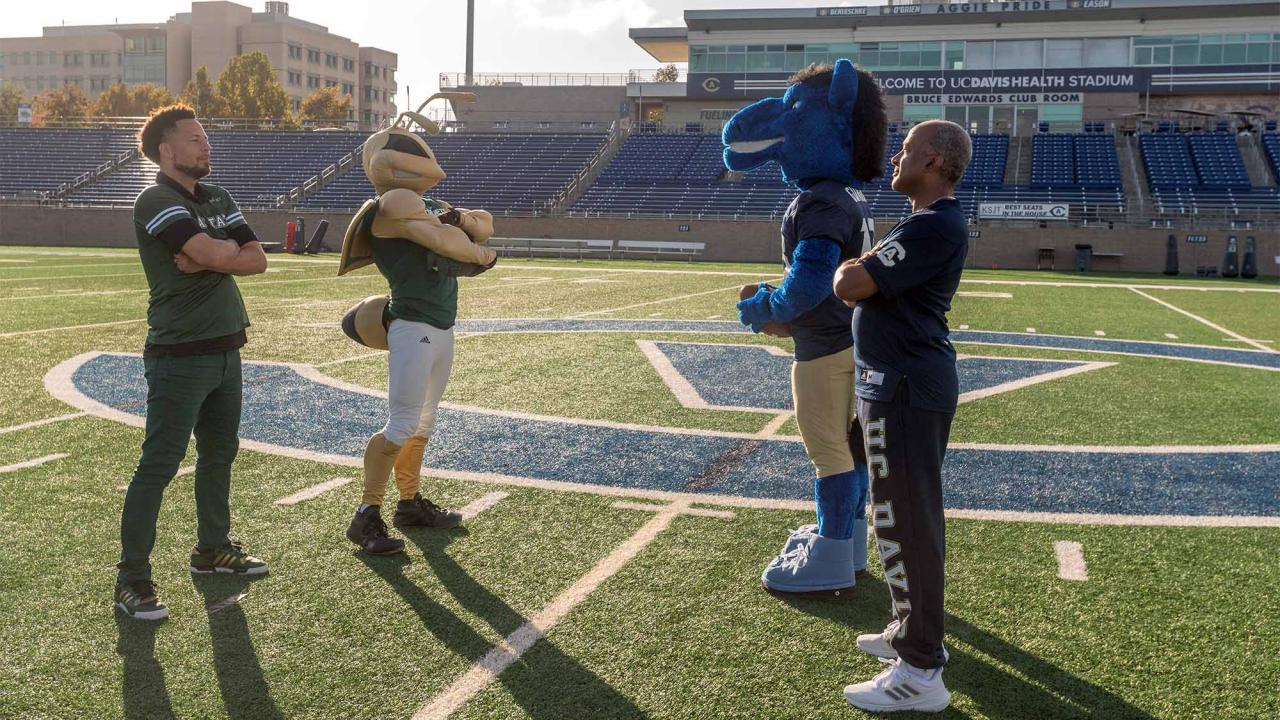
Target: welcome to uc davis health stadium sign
x,y
937,82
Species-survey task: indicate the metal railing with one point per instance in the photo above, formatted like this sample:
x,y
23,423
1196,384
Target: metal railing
x,y
558,79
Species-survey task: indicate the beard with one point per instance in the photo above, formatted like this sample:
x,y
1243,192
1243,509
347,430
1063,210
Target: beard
x,y
194,172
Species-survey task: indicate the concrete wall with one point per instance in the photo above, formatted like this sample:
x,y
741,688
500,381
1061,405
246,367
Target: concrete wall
x,y
1009,245
531,105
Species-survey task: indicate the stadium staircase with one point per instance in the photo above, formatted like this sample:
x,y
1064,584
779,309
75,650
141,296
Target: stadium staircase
x,y
1256,164
1019,170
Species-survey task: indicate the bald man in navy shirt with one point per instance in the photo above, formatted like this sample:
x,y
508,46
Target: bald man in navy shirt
x,y
906,387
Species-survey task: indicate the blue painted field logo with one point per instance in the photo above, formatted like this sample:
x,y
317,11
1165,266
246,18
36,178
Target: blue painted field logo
x,y
298,411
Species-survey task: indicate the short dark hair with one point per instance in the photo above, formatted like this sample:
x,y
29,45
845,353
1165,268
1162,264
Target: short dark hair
x,y
869,118
162,120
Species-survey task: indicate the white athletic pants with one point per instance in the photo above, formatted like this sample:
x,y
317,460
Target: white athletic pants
x,y
419,366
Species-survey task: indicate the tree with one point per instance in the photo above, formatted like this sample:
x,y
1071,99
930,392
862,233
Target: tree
x,y
68,101
121,100
669,73
11,96
201,95
328,103
250,89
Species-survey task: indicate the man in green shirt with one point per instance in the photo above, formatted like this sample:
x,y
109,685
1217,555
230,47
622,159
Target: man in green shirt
x,y
192,239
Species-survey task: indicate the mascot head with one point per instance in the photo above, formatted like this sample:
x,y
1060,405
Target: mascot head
x,y
399,158
830,124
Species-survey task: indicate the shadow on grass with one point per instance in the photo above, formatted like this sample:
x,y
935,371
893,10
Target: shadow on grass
x,y
546,683
997,693
143,692
244,691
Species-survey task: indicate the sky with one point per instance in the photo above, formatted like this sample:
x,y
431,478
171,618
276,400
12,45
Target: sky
x,y
430,35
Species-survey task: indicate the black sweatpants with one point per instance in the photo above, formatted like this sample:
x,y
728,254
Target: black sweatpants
x,y
905,447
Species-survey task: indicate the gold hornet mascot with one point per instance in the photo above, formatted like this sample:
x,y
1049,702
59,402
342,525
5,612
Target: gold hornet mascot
x,y
421,246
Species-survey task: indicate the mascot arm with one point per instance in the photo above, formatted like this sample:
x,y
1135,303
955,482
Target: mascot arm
x,y
808,283
477,224
404,209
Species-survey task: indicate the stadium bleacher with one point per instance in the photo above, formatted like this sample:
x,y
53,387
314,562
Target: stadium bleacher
x,y
254,166
497,172
1196,172
39,160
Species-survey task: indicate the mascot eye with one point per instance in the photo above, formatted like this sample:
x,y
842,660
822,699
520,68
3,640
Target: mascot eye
x,y
400,143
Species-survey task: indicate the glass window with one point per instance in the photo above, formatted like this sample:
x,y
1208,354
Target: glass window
x,y
1019,54
1161,55
1233,54
1072,112
1258,53
735,62
794,60
716,63
954,56
1106,52
1186,54
1063,53
931,59
1142,56
909,58
1210,54
1235,38
888,58
978,55
919,113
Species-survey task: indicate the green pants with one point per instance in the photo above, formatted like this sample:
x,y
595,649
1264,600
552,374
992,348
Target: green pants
x,y
201,395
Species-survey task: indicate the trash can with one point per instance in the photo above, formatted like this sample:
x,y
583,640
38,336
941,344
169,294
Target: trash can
x,y
1084,258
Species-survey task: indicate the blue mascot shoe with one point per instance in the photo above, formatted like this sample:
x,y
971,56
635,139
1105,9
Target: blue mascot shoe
x,y
820,565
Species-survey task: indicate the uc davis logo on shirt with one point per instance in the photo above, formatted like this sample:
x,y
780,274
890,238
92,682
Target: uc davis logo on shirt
x,y
217,221
891,252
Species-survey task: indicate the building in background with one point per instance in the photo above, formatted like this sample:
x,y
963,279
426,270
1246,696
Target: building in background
x,y
306,56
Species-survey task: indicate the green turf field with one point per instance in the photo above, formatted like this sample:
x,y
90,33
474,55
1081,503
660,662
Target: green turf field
x,y
1172,622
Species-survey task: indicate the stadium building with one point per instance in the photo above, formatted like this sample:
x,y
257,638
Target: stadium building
x,y
1103,130
306,56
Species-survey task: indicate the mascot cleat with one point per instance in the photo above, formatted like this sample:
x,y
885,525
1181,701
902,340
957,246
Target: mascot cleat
x,y
822,565
420,512
369,532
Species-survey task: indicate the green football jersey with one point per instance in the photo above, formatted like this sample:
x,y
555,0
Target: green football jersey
x,y
422,288
186,308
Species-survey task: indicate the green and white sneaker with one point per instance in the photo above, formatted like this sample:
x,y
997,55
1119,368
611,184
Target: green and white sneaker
x,y
229,558
139,600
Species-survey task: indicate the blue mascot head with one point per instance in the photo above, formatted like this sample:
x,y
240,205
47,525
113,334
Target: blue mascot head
x,y
830,124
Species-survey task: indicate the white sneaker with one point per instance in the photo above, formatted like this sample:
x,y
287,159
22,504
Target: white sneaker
x,y
898,688
881,644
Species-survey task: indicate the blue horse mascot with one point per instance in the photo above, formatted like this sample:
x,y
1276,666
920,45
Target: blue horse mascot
x,y
827,133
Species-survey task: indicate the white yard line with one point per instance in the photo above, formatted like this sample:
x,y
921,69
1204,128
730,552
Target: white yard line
x,y
353,358
1121,286
22,333
38,423
479,505
1100,333
501,656
31,463
134,263
313,491
1033,380
686,394
1171,336
775,424
87,293
1071,565
73,277
657,302
1199,319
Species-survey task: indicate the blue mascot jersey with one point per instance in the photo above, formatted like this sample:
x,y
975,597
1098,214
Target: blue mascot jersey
x,y
826,210
901,331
